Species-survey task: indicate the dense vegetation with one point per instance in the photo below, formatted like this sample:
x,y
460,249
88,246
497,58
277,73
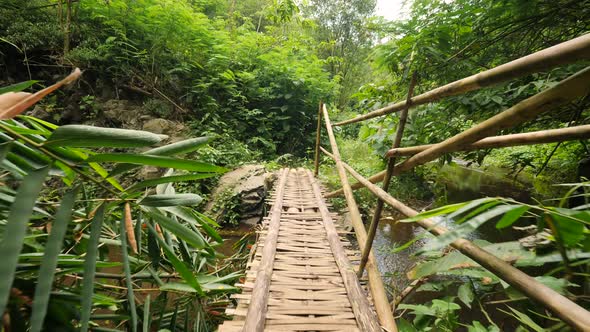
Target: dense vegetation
x,y
245,78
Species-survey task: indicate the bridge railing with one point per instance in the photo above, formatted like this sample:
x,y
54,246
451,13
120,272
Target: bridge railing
x,y
477,137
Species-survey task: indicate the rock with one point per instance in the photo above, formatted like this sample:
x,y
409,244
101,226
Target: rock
x,y
244,191
122,112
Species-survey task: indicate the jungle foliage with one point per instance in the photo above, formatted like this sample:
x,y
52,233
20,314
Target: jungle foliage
x,y
96,248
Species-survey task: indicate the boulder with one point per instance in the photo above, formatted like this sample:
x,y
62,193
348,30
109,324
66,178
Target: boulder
x,y
246,188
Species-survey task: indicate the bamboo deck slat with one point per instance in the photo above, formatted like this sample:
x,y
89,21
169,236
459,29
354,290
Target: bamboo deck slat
x,y
313,286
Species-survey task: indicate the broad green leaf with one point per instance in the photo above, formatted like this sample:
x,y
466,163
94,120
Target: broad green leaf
x,y
469,206
16,229
169,179
571,231
127,269
50,257
90,267
465,294
435,212
179,266
467,227
158,161
193,238
511,216
405,326
171,200
195,219
17,87
89,136
181,147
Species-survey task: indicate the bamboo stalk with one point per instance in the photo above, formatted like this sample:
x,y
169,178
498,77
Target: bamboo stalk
x,y
561,54
571,313
387,179
535,137
375,282
316,161
575,86
256,315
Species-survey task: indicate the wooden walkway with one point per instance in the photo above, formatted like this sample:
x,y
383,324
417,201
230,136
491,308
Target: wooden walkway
x,y
300,276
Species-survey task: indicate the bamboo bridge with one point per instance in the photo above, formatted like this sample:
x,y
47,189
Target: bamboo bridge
x,y
304,276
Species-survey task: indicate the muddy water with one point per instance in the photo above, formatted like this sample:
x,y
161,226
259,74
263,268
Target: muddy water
x,y
460,184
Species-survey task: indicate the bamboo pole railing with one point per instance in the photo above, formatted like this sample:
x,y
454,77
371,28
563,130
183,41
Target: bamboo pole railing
x,y
565,91
565,53
477,137
570,312
376,287
535,137
387,178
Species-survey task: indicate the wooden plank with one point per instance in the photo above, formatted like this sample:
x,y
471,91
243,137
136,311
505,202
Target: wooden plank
x,y
360,305
257,308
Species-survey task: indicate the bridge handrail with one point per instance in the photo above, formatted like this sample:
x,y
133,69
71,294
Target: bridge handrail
x,y
575,86
565,53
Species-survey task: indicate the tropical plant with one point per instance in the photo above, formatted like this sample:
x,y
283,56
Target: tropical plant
x,y
81,249
557,247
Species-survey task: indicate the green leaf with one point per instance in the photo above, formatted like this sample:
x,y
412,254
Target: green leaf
x,y
146,314
16,229
171,200
405,326
524,319
90,268
127,269
435,212
571,231
153,249
158,161
465,294
179,266
17,87
511,216
49,263
89,136
467,227
193,238
181,147
169,179
177,287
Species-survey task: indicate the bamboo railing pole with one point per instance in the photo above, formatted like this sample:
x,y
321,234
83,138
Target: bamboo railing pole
x,y
571,313
378,293
256,314
560,54
365,316
387,179
316,161
575,86
535,137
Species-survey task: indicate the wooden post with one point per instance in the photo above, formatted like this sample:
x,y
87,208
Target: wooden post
x,y
387,179
316,161
375,282
565,53
365,317
568,311
535,137
256,315
573,87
